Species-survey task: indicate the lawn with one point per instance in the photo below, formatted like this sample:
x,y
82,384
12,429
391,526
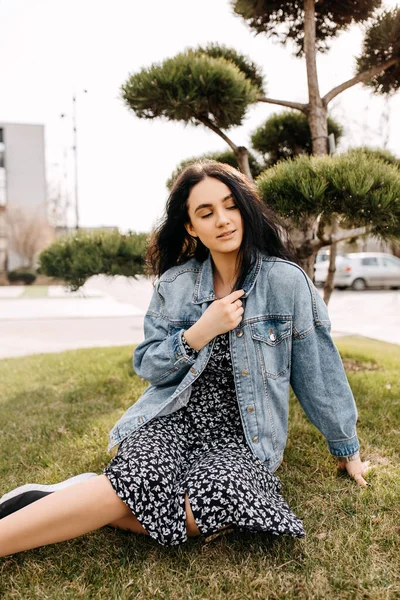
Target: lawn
x,y
55,413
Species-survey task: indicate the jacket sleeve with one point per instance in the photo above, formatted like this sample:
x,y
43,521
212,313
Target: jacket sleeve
x,y
318,377
161,358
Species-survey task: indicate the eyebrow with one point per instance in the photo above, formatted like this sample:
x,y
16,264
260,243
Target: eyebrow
x,y
200,206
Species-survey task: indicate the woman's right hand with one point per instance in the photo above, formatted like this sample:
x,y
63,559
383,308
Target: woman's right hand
x,y
223,315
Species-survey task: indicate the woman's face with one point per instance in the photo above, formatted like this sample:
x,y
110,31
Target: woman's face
x,y
213,212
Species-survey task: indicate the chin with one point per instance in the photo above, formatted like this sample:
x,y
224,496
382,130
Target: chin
x,y
228,249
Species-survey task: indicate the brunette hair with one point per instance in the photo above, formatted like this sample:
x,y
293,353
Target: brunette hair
x,y
170,243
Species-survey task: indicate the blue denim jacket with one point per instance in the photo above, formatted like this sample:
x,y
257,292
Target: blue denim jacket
x,y
283,339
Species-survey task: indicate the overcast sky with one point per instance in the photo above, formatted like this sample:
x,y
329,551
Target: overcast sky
x,y
49,48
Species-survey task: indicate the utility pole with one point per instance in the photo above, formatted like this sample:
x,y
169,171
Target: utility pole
x,y
75,150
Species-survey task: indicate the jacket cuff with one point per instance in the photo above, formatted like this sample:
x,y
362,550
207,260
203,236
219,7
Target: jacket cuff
x,y
344,447
182,350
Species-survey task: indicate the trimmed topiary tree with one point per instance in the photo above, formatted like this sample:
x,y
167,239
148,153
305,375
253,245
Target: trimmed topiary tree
x,y
211,86
286,135
379,153
226,157
358,192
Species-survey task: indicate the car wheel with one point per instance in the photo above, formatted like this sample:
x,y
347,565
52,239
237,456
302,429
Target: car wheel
x,y
358,284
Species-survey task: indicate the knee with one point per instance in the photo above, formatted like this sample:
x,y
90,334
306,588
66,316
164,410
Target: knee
x,y
129,523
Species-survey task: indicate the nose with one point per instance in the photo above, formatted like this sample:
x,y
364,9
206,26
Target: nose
x,y
222,219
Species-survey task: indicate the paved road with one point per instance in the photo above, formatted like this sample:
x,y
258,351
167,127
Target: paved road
x,y
109,312
374,314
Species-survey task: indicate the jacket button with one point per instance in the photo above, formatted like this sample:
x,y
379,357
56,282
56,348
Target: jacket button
x,y
192,370
245,372
255,438
250,409
239,333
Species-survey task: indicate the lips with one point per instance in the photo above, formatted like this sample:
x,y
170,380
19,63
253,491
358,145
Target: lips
x,y
226,233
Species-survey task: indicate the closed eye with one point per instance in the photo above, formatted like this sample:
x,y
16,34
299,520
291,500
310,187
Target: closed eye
x,y
209,214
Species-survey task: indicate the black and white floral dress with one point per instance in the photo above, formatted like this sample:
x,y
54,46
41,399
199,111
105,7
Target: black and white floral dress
x,y
200,450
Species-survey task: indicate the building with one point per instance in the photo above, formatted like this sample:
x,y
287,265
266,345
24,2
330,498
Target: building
x,y
22,182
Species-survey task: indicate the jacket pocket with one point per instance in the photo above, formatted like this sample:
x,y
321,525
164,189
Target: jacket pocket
x,y
272,343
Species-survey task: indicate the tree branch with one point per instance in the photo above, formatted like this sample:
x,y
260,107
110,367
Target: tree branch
x,y
296,105
208,123
359,79
345,235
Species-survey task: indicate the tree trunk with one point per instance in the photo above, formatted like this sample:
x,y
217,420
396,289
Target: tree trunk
x,y
302,238
307,263
328,287
317,114
242,155
317,111
395,248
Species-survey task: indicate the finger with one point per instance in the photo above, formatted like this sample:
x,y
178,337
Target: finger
x,y
234,296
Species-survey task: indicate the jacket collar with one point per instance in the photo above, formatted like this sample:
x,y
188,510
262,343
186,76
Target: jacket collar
x,y
204,288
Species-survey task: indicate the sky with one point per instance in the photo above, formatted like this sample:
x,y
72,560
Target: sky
x,y
51,49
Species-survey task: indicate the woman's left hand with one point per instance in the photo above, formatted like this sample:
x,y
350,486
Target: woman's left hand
x,y
357,470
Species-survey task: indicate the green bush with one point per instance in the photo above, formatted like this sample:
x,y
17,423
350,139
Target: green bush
x,y
17,276
75,258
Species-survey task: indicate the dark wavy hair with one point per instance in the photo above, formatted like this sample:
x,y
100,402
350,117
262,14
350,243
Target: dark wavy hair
x,y
170,243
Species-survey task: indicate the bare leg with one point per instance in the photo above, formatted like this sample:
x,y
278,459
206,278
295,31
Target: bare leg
x,y
70,513
63,515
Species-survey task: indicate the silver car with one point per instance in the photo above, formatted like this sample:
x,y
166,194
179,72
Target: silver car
x,y
360,270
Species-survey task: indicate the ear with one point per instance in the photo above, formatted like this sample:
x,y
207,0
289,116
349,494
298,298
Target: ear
x,y
190,230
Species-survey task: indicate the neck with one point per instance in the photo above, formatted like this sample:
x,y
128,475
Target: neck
x,y
225,269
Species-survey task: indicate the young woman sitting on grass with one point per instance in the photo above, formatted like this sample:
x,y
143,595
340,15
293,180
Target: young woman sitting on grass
x,y
231,324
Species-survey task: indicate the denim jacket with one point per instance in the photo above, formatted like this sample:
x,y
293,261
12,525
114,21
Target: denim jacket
x,y
283,339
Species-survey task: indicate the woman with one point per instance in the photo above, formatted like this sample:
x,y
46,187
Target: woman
x,y
232,322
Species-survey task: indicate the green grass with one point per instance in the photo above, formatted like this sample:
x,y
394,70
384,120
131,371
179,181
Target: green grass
x,y
35,291
55,413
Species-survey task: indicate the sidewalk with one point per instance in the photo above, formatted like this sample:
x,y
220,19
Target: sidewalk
x,y
110,311
55,302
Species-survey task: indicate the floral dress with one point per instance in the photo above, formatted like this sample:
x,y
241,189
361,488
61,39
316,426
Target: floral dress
x,y
200,450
